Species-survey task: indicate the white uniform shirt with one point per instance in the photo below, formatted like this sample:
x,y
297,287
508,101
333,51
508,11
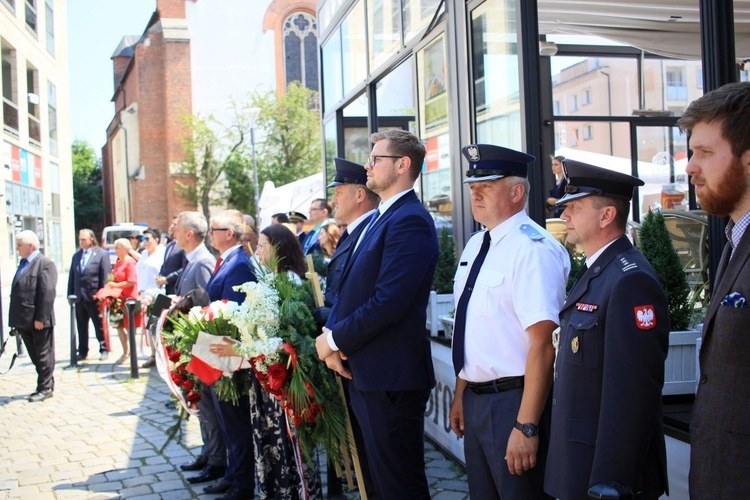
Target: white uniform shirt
x,y
148,267
521,282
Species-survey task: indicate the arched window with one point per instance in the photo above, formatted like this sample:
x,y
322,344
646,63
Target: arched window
x,y
301,50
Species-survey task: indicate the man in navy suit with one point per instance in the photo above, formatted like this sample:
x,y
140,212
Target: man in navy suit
x,y
378,322
232,268
174,262
320,212
89,271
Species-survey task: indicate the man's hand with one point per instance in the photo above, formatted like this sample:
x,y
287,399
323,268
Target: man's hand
x,y
223,349
521,452
456,415
161,280
38,325
335,363
321,345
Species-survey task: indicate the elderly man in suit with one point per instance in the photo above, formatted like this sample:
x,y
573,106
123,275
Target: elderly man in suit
x,y
232,268
607,437
89,271
378,321
32,314
720,169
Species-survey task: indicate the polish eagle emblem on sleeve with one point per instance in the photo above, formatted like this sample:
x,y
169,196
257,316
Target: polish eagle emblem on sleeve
x,y
645,317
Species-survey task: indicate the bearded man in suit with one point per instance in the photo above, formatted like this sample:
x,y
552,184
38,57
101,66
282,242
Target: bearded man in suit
x,y
32,314
720,170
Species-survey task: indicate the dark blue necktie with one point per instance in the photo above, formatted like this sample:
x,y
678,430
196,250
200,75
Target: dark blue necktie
x,y
459,327
21,266
344,236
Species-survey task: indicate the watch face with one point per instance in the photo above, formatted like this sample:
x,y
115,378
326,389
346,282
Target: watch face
x,y
529,430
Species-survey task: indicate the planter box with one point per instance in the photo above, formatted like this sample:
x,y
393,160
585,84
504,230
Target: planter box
x,y
447,322
681,366
438,305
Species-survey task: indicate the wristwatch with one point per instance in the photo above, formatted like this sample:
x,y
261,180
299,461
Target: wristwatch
x,y
529,430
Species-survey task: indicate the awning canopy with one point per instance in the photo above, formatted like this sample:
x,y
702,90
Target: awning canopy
x,y
670,28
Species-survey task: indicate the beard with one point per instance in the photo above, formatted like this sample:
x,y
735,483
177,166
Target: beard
x,y
723,199
378,186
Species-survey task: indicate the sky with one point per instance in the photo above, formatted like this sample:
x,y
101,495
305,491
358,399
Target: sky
x,y
95,28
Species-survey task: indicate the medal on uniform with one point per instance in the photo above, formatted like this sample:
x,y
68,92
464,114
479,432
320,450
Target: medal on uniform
x,y
574,345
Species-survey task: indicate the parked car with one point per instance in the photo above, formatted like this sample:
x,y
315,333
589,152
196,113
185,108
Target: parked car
x,y
119,230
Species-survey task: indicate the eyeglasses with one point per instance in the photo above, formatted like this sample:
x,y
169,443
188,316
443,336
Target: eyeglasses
x,y
374,158
316,208
146,238
218,229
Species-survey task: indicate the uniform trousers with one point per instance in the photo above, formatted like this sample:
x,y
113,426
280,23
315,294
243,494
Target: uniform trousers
x,y
87,310
392,424
213,442
40,345
237,430
488,422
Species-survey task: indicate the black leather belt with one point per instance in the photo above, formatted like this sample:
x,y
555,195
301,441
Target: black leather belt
x,y
494,386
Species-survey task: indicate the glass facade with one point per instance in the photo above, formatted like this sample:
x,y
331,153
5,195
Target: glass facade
x,y
417,15
384,29
354,50
333,83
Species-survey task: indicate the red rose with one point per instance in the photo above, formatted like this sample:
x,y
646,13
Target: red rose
x,y
188,385
193,397
180,368
311,414
177,378
174,356
276,378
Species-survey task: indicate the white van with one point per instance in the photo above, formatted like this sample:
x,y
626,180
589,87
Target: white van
x,y
119,230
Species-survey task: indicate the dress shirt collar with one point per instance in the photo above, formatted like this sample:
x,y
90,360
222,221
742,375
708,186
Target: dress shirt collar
x,y
735,232
229,251
33,256
590,260
393,199
190,256
498,232
359,220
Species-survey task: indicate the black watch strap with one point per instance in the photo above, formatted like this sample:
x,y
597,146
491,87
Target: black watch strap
x,y
528,430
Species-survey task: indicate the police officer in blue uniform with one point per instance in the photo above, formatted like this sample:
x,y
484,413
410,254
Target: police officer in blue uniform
x,y
607,438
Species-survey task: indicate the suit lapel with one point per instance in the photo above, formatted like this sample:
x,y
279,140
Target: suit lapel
x,y
726,276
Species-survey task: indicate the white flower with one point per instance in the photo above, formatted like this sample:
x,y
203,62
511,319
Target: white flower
x,y
257,320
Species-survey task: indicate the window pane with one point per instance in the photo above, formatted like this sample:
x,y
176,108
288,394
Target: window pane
x,y
662,159
496,74
356,135
329,130
602,138
52,117
671,84
49,23
395,95
354,51
384,29
434,131
417,14
332,90
595,86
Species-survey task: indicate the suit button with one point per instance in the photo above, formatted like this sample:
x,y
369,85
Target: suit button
x,y
704,379
562,322
554,401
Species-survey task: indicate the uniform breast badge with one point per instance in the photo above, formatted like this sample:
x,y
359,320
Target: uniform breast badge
x,y
574,345
586,307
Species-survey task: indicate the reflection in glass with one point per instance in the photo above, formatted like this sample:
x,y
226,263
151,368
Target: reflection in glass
x,y
356,134
417,15
662,159
332,73
594,86
605,139
496,74
434,131
329,131
354,50
395,94
384,26
671,84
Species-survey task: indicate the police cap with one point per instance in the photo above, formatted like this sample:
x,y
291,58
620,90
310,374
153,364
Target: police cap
x,y
297,217
348,172
587,180
489,163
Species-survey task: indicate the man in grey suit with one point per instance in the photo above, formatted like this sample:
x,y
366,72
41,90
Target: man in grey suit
x,y
720,171
190,233
89,271
31,313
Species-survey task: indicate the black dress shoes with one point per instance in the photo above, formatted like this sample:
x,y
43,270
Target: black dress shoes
x,y
220,487
40,396
238,494
210,473
198,464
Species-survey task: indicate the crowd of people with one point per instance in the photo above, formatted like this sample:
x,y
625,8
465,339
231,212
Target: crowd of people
x,y
577,418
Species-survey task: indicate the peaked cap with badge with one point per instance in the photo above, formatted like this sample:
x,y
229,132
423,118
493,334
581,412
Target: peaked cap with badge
x,y
297,217
490,163
588,180
348,172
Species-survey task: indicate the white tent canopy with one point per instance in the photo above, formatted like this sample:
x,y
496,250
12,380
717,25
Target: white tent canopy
x,y
294,196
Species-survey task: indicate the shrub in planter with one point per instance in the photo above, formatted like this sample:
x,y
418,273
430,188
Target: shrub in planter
x,y
656,246
446,264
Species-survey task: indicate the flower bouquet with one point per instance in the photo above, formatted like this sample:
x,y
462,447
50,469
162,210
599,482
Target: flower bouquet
x,y
191,335
277,331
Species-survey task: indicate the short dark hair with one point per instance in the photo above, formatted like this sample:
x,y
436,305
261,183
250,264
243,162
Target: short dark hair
x,y
403,143
731,105
281,218
288,249
324,204
155,234
622,209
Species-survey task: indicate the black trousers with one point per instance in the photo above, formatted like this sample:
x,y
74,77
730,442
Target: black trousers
x,y
87,310
41,347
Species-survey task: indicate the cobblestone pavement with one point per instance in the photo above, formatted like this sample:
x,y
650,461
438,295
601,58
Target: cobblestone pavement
x,y
104,435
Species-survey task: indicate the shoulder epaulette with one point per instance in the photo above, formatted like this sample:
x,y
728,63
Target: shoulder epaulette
x,y
625,264
531,232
